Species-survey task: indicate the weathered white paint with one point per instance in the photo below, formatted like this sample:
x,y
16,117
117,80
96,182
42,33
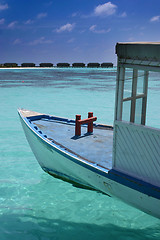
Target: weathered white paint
x,y
120,80
137,151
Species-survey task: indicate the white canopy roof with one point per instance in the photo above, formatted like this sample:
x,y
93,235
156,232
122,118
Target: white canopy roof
x,y
139,55
139,50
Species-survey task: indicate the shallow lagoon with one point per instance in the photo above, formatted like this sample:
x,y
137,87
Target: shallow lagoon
x,y
33,205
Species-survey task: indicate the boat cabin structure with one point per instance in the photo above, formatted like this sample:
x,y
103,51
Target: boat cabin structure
x,y
136,147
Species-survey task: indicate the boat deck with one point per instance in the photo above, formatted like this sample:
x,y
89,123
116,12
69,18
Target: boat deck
x,y
95,148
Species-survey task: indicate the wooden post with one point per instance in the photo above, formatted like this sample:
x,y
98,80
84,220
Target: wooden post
x,y
119,98
144,101
78,126
134,93
90,125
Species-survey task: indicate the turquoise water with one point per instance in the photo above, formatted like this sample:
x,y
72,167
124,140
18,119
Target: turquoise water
x,y
35,206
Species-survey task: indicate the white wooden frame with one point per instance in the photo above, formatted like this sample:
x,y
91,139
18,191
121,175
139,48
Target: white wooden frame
x,y
134,96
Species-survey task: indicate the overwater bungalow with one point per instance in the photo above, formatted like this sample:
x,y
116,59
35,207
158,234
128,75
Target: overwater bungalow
x,y
46,64
107,65
63,65
78,65
93,65
10,65
28,65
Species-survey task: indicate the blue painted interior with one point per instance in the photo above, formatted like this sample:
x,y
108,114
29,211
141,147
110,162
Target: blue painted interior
x,y
96,147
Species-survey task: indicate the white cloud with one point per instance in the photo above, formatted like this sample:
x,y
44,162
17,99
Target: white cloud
x,y
74,14
2,21
12,24
82,31
155,19
105,9
29,21
93,29
123,15
49,3
41,15
66,28
41,40
16,41
131,39
3,6
71,40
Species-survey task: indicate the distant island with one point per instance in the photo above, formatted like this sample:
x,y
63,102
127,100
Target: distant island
x,y
60,65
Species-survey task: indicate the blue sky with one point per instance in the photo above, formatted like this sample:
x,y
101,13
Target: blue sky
x,y
73,30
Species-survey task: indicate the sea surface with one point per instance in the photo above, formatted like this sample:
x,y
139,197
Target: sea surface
x,y
36,206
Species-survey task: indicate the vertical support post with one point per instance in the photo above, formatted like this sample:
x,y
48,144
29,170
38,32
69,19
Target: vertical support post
x,y
78,126
118,104
90,125
144,101
116,92
120,88
134,91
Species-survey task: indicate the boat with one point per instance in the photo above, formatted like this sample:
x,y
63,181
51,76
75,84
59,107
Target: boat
x,y
122,161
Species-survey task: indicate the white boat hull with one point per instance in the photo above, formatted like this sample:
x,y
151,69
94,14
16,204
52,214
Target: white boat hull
x,y
70,168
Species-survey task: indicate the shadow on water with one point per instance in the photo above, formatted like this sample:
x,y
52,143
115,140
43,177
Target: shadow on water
x,y
29,227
